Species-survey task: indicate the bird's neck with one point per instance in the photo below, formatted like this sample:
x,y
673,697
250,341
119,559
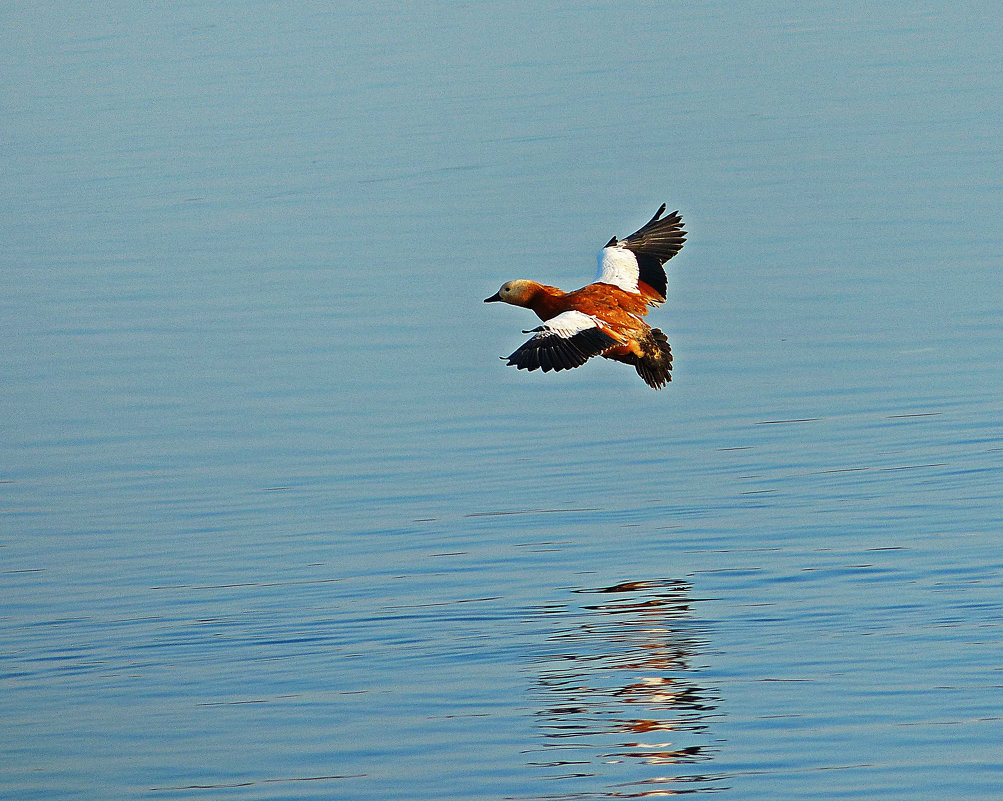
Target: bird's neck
x,y
545,301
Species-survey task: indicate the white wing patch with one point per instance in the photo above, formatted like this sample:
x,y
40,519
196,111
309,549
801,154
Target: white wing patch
x,y
567,324
618,266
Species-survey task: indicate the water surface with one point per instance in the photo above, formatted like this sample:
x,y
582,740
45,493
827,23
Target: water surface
x,y
277,522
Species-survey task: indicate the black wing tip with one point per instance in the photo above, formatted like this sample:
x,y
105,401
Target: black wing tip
x,y
671,221
661,237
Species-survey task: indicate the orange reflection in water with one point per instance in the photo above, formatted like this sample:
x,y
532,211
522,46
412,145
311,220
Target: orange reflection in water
x,y
614,671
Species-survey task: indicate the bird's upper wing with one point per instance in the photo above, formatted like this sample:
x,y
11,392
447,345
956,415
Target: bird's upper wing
x,y
568,340
635,264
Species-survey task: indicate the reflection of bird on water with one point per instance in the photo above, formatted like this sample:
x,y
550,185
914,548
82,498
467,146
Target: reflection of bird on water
x,y
616,672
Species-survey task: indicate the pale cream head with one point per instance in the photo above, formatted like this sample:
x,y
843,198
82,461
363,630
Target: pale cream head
x,y
518,292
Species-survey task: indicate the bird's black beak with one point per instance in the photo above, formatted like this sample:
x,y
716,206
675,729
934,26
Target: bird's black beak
x,y
495,298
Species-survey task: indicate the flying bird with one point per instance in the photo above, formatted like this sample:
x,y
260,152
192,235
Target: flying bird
x,y
604,318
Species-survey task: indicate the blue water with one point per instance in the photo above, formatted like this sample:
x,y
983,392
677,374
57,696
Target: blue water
x,y
276,521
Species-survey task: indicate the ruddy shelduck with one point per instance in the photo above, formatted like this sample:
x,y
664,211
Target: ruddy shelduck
x,y
604,318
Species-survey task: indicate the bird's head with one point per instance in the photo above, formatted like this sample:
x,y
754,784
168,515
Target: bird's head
x,y
518,293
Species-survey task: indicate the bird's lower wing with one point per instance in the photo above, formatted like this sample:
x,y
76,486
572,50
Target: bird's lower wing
x,y
562,343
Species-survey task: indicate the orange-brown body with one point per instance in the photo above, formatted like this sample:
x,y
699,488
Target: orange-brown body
x,y
619,311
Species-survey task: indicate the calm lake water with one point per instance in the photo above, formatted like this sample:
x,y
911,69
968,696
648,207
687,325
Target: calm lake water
x,y
276,521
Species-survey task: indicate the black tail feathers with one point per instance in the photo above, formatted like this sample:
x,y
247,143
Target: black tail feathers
x,y
655,365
